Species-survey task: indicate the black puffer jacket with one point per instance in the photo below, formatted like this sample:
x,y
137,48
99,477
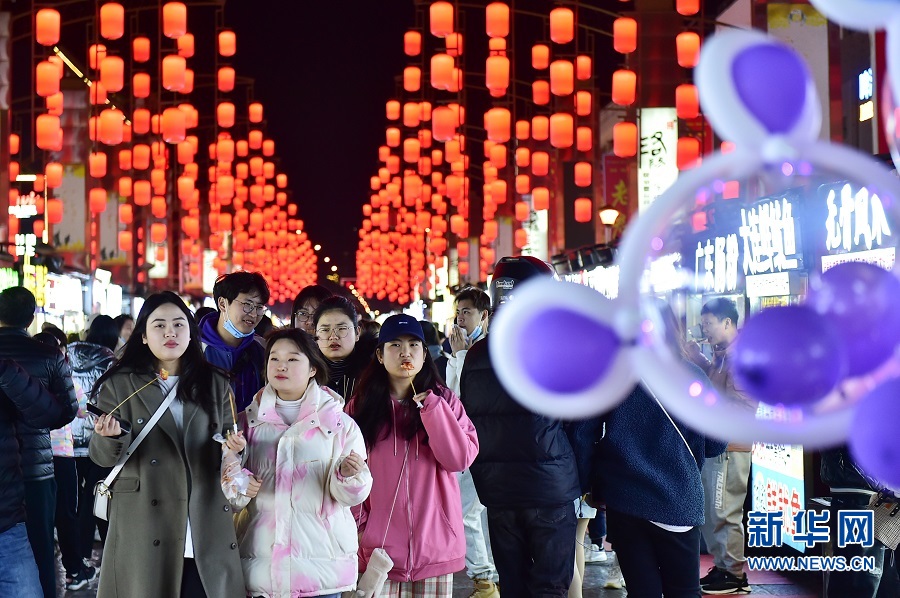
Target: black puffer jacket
x,y
524,459
23,400
46,364
88,362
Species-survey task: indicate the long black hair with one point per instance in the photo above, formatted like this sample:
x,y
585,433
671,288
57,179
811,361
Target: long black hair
x,y
195,373
372,400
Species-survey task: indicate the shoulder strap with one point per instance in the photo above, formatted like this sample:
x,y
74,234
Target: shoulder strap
x,y
117,468
683,439
396,492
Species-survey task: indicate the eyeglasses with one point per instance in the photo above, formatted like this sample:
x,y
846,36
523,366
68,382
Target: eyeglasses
x,y
303,316
323,334
249,308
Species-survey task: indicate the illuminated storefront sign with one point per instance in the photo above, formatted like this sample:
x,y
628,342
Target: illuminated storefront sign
x,y
602,280
34,278
64,294
26,206
716,264
777,284
866,91
8,278
883,257
769,234
855,220
657,167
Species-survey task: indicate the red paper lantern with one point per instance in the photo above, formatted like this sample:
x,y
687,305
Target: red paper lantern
x,y
143,191
54,211
392,109
227,42
411,114
97,164
97,200
140,49
126,186
562,25
173,72
255,112
140,85
46,79
497,19
540,56
583,174
625,35
112,73
140,121
442,69
687,49
54,174
186,45
584,139
497,73
540,128
688,153
412,43
624,87
157,232
584,211
54,104
46,131
225,114
540,198
126,240
111,130
562,130
454,44
46,27
497,124
412,78
158,207
13,143
687,101
540,93
562,77
523,129
174,19
625,139
174,125
583,102
112,21
443,123
441,19
687,7
540,163
96,53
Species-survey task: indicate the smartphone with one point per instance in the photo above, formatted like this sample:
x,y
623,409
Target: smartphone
x,y
98,412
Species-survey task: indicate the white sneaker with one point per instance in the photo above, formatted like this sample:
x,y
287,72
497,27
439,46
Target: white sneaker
x,y
594,554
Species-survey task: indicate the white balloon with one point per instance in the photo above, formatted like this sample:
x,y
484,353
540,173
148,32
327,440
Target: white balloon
x,y
865,15
533,298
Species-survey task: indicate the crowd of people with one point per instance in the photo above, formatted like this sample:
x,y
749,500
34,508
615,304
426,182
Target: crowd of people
x,y
336,455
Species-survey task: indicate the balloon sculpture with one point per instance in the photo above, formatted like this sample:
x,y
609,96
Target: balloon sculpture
x,y
576,353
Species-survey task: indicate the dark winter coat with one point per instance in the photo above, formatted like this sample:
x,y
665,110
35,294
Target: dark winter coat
x,y
524,460
88,362
168,476
643,468
46,364
23,400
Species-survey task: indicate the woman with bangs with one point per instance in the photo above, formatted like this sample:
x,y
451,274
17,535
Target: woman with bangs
x,y
418,436
170,527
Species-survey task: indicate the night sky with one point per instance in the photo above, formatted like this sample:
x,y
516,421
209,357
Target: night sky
x,y
324,70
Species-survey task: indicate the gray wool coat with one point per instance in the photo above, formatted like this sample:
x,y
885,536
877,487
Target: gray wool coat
x,y
167,477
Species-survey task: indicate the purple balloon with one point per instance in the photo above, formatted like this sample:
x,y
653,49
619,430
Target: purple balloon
x,y
771,81
566,352
863,303
873,436
788,354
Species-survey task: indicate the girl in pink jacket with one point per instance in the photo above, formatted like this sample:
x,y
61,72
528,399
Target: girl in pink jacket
x,y
296,534
417,441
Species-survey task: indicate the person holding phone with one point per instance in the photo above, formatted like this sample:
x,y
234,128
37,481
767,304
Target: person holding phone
x,y
308,458
171,531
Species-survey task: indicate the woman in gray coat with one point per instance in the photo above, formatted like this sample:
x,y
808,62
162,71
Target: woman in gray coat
x,y
170,527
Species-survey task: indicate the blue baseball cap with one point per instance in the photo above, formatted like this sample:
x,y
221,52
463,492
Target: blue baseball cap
x,y
398,325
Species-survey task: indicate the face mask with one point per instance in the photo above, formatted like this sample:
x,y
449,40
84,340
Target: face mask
x,y
475,333
233,331
435,351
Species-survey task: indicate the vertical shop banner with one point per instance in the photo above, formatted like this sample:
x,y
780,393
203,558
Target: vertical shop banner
x,y
210,274
537,227
805,29
68,235
192,272
778,485
110,255
159,263
617,190
657,168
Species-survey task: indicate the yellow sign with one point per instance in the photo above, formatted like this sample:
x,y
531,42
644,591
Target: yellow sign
x,y
34,278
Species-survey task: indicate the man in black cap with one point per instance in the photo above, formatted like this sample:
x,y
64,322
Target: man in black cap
x,y
525,472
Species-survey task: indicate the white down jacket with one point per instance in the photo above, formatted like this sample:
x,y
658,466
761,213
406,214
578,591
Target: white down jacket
x,y
298,537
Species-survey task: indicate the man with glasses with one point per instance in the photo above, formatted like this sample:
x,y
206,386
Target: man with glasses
x,y
229,339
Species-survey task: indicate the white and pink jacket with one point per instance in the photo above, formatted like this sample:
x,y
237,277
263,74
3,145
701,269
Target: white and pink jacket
x,y
298,536
425,535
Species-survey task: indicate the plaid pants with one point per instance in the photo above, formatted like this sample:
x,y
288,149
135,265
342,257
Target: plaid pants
x,y
433,587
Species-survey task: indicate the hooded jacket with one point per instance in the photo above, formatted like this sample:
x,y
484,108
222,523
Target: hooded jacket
x,y
244,362
88,362
425,536
46,364
23,400
298,536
